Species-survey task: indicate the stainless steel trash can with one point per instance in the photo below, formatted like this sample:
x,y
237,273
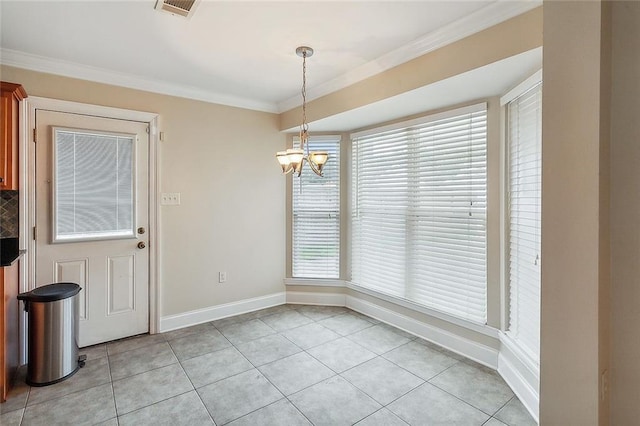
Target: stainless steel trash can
x,y
53,333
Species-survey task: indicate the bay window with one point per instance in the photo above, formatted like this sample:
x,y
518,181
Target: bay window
x,y
418,218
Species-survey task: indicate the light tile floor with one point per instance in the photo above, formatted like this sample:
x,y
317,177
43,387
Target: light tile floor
x,y
287,365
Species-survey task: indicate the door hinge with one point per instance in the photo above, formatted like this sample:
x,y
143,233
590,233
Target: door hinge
x,y
147,129
34,233
35,133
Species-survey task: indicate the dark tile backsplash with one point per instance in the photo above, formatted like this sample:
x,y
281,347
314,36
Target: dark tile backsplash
x,y
9,214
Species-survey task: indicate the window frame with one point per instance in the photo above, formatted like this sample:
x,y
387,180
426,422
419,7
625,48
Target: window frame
x,y
97,236
476,323
291,190
523,353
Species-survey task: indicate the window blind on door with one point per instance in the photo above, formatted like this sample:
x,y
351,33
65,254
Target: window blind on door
x,y
524,116
316,215
93,185
419,211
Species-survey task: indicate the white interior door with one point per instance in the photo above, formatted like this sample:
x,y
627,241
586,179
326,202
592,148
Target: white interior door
x,y
92,217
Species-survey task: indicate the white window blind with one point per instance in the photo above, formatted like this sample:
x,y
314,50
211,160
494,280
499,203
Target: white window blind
x,y
316,215
525,174
419,211
93,185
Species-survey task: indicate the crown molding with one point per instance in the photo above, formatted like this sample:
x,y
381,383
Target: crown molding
x,y
44,64
490,15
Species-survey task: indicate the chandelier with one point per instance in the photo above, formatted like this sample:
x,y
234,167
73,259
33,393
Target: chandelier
x,y
292,160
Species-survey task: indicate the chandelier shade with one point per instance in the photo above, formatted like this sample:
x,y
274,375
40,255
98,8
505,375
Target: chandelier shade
x,y
292,160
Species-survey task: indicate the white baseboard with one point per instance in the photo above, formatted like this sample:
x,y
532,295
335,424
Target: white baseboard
x,y
473,350
505,361
519,376
199,316
311,298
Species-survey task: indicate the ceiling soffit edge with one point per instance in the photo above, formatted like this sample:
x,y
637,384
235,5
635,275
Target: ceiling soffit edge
x,y
484,18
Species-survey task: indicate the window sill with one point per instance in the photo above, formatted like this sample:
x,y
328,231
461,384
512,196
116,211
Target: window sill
x,y
320,282
485,329
315,282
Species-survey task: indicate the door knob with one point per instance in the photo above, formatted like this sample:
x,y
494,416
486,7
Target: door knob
x,y
141,230
141,245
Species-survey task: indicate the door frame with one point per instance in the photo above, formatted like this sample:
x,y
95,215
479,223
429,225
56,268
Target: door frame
x,y
28,205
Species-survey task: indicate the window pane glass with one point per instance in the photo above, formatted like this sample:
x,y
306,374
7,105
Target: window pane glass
x,y
525,182
316,215
93,185
419,211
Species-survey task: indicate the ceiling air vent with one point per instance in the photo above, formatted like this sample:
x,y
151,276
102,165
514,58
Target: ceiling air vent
x,y
177,7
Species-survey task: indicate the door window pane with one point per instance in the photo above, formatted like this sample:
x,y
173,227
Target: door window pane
x,y
93,185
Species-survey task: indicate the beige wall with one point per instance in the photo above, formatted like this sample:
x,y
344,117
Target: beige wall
x,y
574,211
221,160
604,262
625,215
509,38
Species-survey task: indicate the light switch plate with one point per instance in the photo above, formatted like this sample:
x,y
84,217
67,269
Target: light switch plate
x,y
170,199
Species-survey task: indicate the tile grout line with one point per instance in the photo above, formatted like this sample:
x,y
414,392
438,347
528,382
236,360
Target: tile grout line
x,y
384,407
234,375
459,398
466,402
118,415
501,407
285,397
423,380
67,394
152,404
420,385
189,378
26,400
336,374
154,369
113,393
370,396
265,377
307,387
254,366
142,372
143,347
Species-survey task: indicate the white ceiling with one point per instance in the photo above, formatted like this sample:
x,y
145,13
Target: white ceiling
x,y
240,53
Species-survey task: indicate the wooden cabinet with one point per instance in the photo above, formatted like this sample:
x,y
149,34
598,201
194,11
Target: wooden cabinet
x,y
11,95
9,326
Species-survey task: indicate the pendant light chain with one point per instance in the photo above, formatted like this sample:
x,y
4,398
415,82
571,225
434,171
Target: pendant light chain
x,y
292,160
305,127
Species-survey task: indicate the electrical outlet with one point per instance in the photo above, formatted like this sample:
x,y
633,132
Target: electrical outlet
x,y
222,277
170,199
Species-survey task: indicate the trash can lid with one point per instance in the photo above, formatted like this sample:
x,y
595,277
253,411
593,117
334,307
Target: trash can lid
x,y
51,292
